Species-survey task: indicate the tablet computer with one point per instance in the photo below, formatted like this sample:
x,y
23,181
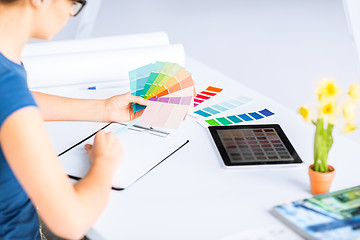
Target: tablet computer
x,y
249,145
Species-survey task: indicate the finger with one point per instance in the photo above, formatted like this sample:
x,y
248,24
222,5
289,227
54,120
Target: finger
x,y
138,114
88,147
139,100
100,132
99,136
110,134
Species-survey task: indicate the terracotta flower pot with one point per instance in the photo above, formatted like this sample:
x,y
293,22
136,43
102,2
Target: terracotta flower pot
x,y
320,182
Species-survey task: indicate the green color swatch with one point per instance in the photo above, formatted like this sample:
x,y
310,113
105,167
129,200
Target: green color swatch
x,y
224,121
212,122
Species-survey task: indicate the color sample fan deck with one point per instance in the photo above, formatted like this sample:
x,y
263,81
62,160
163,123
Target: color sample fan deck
x,y
138,78
166,112
169,87
158,80
180,81
164,76
206,94
174,100
154,73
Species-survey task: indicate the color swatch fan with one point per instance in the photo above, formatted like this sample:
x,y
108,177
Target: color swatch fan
x,y
170,88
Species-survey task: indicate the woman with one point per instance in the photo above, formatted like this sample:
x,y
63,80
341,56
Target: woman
x,y
26,155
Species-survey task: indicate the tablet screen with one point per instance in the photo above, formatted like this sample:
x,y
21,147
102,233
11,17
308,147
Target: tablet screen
x,y
253,145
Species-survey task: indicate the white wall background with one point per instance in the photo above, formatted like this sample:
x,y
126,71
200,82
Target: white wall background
x,y
352,12
280,48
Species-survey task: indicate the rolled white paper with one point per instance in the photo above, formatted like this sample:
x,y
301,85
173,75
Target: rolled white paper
x,y
96,44
96,65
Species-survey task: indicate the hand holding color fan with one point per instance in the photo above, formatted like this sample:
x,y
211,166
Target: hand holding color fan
x,y
170,88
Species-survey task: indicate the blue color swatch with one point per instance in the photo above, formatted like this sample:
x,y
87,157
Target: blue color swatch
x,y
245,117
235,119
211,110
202,113
256,115
266,113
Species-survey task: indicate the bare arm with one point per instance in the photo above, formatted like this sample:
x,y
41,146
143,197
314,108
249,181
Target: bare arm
x,y
114,109
54,108
68,210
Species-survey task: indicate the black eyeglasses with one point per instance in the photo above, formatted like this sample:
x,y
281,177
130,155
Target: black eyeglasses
x,y
77,6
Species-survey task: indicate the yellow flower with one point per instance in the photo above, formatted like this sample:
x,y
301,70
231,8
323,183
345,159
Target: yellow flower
x,y
349,127
354,92
327,88
328,110
349,111
305,112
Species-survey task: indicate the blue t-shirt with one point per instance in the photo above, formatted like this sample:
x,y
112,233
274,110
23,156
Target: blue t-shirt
x,y
18,217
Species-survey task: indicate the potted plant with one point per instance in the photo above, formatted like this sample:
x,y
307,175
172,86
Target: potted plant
x,y
331,109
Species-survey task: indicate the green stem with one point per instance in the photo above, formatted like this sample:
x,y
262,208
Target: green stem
x,y
322,144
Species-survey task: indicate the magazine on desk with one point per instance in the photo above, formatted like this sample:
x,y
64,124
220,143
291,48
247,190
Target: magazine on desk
x,y
327,216
144,149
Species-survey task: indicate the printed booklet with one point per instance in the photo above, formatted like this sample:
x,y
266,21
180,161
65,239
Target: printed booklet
x,y
327,216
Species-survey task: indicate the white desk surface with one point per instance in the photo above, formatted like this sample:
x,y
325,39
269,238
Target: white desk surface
x,y
191,195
